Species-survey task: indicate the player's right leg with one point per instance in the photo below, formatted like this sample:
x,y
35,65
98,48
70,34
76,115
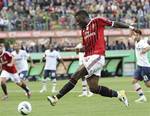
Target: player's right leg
x,y
15,77
3,78
137,87
44,81
81,72
105,91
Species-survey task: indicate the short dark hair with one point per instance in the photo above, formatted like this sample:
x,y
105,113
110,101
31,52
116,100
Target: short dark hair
x,y
138,31
82,13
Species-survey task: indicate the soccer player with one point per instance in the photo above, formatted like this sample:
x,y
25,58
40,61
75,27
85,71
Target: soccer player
x,y
51,56
21,63
8,70
94,58
143,65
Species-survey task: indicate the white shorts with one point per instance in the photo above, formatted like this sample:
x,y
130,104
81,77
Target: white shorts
x,y
14,77
94,65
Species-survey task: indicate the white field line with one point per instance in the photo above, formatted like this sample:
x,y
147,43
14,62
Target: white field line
x,y
73,91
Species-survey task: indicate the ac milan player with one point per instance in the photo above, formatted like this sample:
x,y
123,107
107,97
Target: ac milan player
x,y
8,70
94,58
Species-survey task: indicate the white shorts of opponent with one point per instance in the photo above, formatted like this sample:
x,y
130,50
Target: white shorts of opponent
x,y
14,77
94,65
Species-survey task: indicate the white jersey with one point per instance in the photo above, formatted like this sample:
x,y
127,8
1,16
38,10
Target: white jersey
x,y
21,60
81,58
142,59
51,58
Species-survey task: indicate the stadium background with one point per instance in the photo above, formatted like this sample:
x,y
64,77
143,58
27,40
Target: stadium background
x,y
36,23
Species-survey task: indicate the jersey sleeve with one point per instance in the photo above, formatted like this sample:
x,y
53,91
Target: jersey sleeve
x,y
26,55
58,55
104,22
146,43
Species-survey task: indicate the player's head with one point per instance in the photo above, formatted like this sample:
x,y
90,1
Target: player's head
x,y
137,34
82,18
16,46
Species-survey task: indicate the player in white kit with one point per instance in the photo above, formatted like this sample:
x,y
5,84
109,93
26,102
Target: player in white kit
x,y
143,65
21,57
51,57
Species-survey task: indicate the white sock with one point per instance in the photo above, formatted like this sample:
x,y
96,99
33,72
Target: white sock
x,y
84,87
44,84
53,85
138,89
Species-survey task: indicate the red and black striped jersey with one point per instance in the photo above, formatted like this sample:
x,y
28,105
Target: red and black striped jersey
x,y
93,36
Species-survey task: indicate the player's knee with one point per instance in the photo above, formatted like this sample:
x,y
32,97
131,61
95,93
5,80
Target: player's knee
x,y
147,85
3,82
134,81
76,76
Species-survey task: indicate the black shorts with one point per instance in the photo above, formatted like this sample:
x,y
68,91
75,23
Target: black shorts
x,y
50,73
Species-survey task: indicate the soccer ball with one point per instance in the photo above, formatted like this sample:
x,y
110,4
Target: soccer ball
x,y
24,108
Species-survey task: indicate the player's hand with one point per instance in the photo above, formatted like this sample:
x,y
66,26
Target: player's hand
x,y
10,64
77,50
32,65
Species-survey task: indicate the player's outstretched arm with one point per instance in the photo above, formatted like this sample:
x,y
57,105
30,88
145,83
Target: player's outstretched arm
x,y
122,25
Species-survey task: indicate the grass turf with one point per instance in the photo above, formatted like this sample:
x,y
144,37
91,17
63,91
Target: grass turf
x,y
72,105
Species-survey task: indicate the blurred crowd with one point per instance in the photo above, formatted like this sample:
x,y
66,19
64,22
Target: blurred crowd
x,y
59,14
38,47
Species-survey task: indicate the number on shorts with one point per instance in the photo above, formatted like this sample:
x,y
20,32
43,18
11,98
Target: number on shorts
x,y
145,78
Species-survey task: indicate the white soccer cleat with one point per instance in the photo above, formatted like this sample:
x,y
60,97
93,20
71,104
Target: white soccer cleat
x,y
142,99
122,97
83,95
28,94
54,91
52,99
4,97
43,90
90,94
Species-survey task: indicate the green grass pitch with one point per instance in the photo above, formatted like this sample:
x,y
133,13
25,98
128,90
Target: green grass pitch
x,y
72,105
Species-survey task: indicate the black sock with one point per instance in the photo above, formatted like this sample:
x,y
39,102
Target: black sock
x,y
104,91
70,85
4,88
23,86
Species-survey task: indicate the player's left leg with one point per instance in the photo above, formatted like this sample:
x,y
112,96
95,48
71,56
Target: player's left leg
x,y
84,88
4,88
53,80
15,77
44,81
105,91
81,72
